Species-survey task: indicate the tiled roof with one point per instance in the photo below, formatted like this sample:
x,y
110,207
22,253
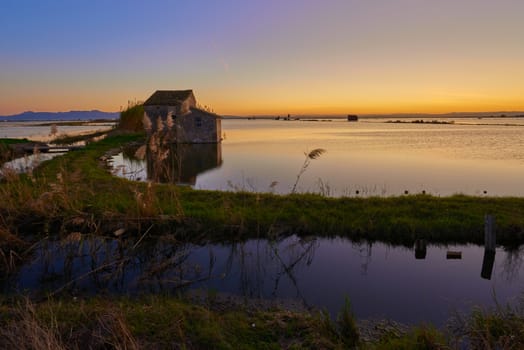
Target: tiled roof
x,y
168,97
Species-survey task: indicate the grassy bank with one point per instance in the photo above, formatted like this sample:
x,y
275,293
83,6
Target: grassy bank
x,y
75,193
171,323
161,323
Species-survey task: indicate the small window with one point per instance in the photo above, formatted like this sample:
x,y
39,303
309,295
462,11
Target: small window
x,y
198,122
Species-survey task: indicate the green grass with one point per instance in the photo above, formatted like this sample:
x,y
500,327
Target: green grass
x,y
159,322
8,141
419,338
168,322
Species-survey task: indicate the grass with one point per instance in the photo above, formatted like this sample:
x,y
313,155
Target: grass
x,y
8,141
498,328
160,322
131,118
6,152
157,322
418,338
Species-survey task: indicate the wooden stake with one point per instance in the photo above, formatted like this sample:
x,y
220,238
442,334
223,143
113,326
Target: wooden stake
x,y
489,233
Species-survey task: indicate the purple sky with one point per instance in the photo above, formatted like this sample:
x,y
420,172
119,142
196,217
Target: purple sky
x,y
257,57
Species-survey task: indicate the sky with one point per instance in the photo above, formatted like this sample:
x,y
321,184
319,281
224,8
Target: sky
x,y
254,57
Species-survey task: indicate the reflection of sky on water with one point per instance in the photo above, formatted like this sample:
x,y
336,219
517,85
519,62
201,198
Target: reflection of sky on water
x,y
371,158
35,131
130,168
28,162
380,280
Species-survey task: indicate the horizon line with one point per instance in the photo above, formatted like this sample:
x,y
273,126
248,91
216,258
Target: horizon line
x,y
487,113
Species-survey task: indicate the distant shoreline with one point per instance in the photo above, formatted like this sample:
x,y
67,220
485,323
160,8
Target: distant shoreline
x,y
479,115
80,116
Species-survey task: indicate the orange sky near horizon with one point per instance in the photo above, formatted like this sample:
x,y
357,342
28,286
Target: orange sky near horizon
x,y
265,57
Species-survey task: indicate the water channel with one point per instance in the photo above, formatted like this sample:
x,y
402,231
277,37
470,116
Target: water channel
x,y
382,281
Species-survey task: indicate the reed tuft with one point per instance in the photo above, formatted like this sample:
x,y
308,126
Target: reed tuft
x,y
316,153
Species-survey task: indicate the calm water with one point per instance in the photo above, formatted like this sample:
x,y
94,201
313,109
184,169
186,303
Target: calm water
x,y
37,132
381,281
472,156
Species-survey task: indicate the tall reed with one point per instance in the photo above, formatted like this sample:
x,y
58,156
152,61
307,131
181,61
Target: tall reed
x,y
131,118
314,154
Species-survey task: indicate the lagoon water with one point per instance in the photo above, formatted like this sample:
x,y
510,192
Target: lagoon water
x,y
364,158
381,281
41,130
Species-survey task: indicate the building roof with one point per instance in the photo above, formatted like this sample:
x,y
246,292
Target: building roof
x,y
203,112
168,97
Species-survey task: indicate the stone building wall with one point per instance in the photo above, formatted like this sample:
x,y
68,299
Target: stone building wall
x,y
191,125
198,127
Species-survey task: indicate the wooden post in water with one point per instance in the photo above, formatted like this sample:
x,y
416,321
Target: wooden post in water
x,y
420,249
489,247
489,232
487,264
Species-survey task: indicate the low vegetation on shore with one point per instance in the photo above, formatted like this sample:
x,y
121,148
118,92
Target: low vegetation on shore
x,y
158,322
7,148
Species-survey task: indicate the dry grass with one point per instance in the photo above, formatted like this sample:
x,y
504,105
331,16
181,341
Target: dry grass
x,y
156,323
131,118
113,331
499,328
312,155
36,327
27,331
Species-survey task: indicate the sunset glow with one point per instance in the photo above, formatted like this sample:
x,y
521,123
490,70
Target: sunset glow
x,y
264,57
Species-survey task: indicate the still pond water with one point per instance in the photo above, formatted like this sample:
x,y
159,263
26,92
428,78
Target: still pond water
x,y
366,158
382,281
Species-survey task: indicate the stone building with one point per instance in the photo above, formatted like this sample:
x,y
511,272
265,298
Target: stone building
x,y
190,124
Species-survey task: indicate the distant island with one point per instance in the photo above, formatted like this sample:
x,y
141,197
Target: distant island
x,y
62,116
421,121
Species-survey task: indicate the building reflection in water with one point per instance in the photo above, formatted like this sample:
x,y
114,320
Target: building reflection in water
x,y
182,163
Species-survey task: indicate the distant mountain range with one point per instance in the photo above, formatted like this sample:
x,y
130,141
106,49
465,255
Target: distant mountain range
x,y
65,116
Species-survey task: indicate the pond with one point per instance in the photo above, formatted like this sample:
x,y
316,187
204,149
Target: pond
x,y
365,158
404,284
